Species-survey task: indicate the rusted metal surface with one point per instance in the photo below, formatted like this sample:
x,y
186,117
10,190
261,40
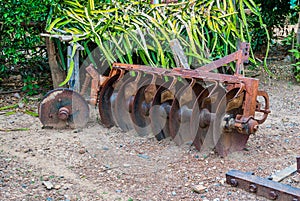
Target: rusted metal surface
x,y
262,187
63,108
208,109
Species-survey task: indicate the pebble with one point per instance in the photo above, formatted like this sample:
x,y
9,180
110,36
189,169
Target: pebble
x,y
17,95
173,193
56,187
27,150
216,199
143,156
126,165
48,185
119,191
105,148
199,189
82,151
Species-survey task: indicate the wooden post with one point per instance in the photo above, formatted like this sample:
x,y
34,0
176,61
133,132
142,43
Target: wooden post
x,y
58,75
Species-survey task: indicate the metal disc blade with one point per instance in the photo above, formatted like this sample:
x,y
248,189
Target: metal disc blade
x,y
140,110
63,108
122,104
195,127
228,141
204,139
105,101
180,114
158,113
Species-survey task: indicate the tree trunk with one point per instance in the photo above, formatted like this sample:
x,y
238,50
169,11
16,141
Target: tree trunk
x,y
58,75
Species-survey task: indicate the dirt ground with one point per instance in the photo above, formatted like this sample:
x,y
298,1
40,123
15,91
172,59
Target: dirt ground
x,y
96,163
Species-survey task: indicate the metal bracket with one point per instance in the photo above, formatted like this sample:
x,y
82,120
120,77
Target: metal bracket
x,y
261,186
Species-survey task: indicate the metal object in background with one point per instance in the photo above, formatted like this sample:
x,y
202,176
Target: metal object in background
x,y
263,187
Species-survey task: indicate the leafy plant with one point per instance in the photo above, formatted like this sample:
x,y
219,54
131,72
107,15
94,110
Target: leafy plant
x,y
275,14
22,50
30,85
136,32
296,54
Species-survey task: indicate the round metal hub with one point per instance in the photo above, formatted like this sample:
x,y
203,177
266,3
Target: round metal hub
x,y
63,108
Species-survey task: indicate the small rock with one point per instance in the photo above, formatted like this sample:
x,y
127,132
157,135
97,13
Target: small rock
x,y
56,187
48,185
45,178
119,191
216,199
27,150
126,165
199,189
82,151
17,95
21,105
105,148
173,193
49,199
143,156
77,130
24,186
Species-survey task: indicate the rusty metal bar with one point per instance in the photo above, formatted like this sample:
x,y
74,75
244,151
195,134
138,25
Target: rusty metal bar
x,y
262,187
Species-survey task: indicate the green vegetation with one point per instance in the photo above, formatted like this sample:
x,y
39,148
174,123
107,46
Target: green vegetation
x,y
296,54
22,50
137,32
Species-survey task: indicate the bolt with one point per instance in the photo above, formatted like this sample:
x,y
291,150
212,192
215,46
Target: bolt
x,y
273,195
63,113
252,188
233,182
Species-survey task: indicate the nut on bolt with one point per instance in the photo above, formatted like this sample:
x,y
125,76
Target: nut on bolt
x,y
273,195
252,188
234,182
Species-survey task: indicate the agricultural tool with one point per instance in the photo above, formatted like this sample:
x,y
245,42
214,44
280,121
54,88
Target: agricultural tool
x,y
202,106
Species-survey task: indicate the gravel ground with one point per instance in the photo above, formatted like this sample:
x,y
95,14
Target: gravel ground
x,y
96,163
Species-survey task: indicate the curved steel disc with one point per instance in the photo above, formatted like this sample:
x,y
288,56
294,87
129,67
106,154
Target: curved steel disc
x,y
158,121
160,109
180,114
106,98
141,107
206,103
63,108
228,141
122,104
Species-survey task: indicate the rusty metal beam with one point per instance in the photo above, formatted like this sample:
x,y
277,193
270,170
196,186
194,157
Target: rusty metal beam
x,y
262,187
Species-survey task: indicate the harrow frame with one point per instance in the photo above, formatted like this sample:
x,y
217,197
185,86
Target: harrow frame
x,y
230,123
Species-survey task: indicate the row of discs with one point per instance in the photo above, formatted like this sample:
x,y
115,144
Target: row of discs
x,y
187,110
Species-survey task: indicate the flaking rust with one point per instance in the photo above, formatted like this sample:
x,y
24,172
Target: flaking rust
x,y
209,109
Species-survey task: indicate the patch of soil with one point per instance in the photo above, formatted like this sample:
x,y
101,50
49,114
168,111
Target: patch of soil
x,y
97,163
